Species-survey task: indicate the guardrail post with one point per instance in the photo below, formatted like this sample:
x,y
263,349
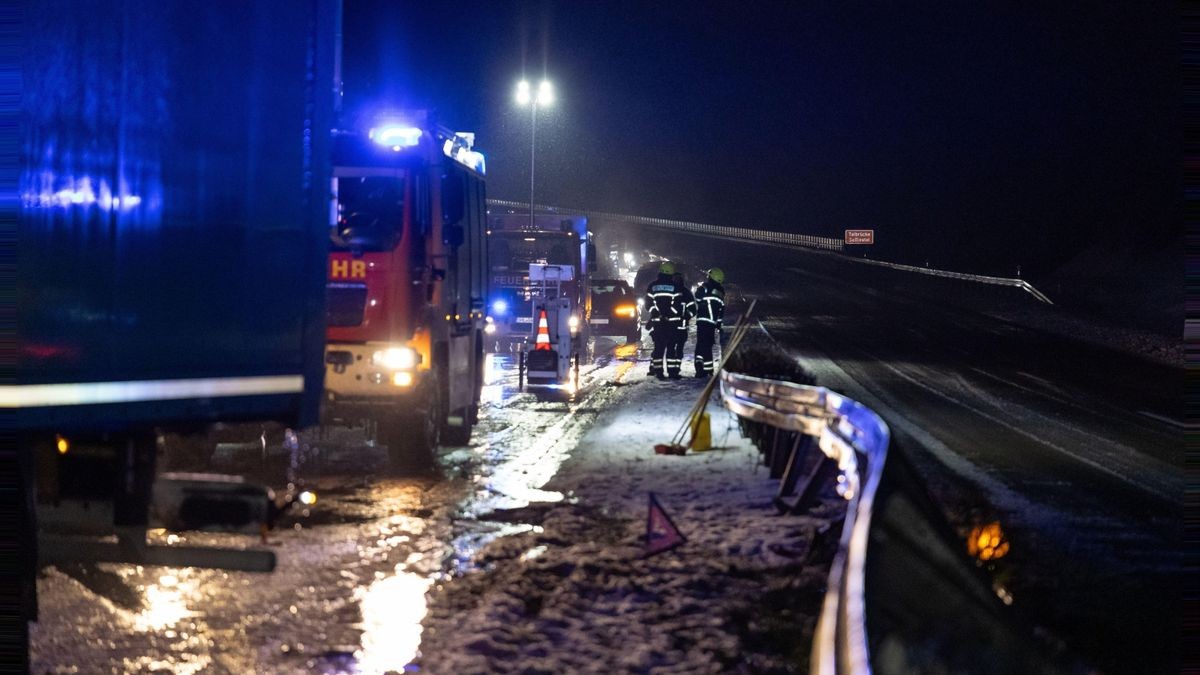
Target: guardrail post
x,y
791,474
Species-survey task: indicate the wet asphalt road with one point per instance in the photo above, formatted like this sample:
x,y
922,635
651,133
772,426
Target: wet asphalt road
x,y
1074,449
348,594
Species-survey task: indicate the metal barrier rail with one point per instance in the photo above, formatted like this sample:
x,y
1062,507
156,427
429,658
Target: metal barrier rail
x,y
781,238
857,439
704,229
901,595
977,278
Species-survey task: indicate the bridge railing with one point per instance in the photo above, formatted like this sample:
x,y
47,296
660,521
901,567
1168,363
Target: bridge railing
x,y
778,238
704,229
901,596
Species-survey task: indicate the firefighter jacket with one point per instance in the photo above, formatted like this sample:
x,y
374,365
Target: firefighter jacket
x,y
710,302
665,303
689,306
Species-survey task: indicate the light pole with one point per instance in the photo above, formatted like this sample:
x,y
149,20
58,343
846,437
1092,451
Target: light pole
x,y
543,98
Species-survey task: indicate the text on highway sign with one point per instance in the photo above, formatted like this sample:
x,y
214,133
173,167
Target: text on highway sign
x,y
860,236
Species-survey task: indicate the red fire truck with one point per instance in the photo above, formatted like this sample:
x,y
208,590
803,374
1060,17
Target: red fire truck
x,y
514,242
407,286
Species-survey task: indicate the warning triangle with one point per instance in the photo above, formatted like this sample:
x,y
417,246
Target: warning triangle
x,y
661,533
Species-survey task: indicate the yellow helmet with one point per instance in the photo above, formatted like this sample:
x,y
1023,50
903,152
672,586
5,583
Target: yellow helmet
x,y
667,267
716,275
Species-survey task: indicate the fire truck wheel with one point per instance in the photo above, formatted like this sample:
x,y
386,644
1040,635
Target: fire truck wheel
x,y
458,435
412,437
452,434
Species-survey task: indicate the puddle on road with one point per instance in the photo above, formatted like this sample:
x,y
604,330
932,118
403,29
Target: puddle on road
x,y
392,611
166,602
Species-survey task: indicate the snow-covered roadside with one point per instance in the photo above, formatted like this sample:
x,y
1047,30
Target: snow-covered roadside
x,y
574,595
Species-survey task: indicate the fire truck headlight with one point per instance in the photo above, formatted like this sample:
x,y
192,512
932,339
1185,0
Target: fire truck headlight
x,y
489,325
573,323
402,379
396,358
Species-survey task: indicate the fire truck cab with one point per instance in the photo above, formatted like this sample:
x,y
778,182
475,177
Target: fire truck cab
x,y
407,283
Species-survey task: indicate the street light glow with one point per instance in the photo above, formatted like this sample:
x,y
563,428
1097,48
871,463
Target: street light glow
x,y
543,98
545,94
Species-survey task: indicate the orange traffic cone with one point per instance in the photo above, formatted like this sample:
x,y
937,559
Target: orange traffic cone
x,y
542,342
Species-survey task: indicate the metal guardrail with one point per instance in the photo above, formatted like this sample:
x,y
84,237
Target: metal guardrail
x,y
857,439
703,229
770,237
902,596
977,278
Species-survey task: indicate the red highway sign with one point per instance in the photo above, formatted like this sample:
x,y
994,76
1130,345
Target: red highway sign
x,y
860,237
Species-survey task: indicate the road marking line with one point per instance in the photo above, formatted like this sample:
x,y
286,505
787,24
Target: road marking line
x,y
1167,420
1163,476
622,369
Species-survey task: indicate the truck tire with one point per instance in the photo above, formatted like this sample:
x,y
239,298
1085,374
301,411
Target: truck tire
x,y
412,436
460,435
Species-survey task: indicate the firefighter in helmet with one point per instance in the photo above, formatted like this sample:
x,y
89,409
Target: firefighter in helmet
x,y
710,311
665,313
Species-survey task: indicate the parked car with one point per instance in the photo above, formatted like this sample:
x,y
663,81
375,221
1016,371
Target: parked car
x,y
614,309
649,272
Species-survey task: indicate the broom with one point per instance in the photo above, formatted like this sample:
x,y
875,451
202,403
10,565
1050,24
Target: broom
x,y
691,422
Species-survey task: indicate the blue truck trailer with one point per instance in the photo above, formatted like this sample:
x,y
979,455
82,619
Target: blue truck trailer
x,y
172,204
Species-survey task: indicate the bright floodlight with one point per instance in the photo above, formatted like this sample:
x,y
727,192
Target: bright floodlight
x,y
545,94
523,93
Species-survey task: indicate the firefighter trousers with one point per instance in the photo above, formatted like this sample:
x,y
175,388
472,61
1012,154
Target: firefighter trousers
x,y
706,337
660,336
675,350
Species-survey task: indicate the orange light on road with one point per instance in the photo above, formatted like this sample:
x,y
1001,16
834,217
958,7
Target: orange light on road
x,y
627,350
62,444
987,542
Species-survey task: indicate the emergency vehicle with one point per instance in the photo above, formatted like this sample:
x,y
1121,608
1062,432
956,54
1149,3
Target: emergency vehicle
x,y
514,243
407,285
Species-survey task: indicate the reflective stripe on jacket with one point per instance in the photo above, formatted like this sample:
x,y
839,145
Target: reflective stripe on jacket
x,y
665,302
710,302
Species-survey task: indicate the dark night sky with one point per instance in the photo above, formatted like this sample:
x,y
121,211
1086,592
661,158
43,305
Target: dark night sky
x,y
978,137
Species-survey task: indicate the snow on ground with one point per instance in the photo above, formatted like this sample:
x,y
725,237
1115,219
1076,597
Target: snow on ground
x,y
574,594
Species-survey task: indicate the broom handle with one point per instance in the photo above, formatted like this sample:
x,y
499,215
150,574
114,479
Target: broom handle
x,y
689,424
739,331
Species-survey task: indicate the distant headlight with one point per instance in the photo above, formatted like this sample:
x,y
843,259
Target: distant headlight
x,y
625,310
396,358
